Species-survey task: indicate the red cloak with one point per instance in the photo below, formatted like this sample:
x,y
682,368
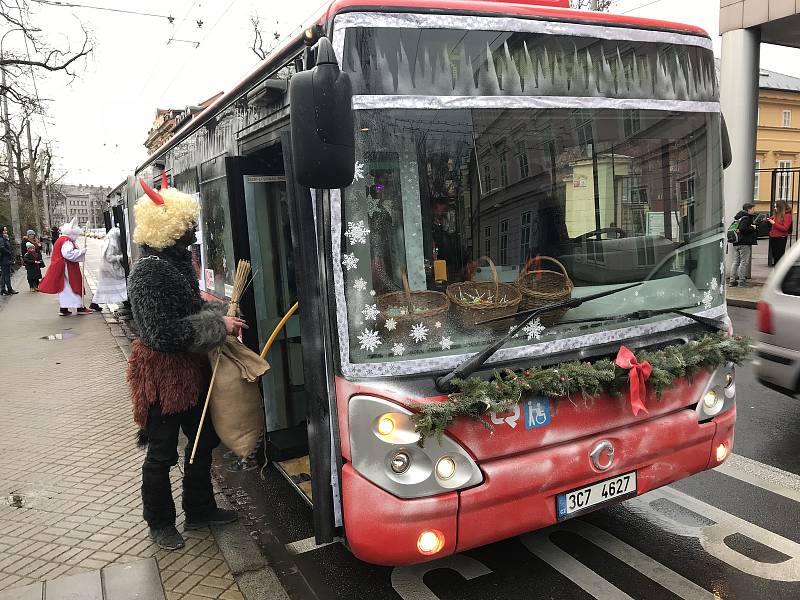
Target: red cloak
x,y
53,282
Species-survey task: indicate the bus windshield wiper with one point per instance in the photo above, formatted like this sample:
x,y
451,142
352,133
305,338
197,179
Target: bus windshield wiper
x,y
469,366
713,324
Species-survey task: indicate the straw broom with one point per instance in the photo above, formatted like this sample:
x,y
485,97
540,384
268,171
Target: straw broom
x,y
240,282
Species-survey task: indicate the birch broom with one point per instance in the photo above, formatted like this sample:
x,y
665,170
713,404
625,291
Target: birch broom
x,y
241,368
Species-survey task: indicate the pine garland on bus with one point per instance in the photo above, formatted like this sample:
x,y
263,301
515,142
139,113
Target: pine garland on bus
x,y
478,397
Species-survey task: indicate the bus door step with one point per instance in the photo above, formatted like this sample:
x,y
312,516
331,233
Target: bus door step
x,y
298,472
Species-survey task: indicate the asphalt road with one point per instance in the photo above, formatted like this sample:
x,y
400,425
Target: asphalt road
x,y
730,533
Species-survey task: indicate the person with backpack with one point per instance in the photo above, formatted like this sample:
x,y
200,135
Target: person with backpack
x,y
742,236
781,228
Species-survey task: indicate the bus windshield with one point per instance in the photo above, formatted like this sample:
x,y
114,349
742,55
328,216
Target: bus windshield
x,y
466,209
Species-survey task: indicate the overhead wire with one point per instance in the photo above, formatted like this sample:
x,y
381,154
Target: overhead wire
x,y
630,10
103,8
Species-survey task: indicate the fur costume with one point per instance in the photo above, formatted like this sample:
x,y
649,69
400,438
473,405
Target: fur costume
x,y
176,327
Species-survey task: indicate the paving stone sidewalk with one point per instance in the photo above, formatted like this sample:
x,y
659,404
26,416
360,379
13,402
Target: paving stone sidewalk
x,y
70,471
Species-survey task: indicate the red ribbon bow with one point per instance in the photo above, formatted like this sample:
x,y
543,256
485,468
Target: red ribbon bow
x,y
638,374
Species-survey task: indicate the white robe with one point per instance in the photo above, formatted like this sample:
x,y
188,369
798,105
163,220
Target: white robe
x,y
67,298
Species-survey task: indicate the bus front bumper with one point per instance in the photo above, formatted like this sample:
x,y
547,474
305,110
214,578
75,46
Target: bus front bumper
x,y
519,492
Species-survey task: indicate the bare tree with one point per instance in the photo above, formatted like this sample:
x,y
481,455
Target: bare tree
x,y
259,47
36,53
602,5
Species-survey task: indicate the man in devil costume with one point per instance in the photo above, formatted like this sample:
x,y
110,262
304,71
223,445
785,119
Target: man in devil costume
x,y
64,277
168,370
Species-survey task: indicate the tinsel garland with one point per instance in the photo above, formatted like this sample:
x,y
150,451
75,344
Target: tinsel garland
x,y
476,397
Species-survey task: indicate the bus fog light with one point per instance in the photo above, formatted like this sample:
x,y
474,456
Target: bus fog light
x,y
445,468
386,425
401,462
430,542
713,402
721,453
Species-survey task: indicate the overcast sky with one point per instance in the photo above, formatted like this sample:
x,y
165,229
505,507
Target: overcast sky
x,y
99,121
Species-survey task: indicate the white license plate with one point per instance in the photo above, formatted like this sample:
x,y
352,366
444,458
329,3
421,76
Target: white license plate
x,y
576,501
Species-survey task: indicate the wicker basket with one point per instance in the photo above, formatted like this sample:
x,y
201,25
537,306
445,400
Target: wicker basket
x,y
540,287
505,300
425,307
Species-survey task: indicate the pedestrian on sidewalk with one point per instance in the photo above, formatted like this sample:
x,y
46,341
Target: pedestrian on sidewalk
x,y
168,370
779,232
64,275
743,247
47,243
112,288
6,258
33,265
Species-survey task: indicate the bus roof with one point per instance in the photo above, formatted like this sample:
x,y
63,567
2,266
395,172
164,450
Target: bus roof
x,y
556,10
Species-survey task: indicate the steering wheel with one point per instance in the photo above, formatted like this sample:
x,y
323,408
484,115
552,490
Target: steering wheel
x,y
618,234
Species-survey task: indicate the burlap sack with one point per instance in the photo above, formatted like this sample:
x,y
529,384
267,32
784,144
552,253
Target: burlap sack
x,y
235,403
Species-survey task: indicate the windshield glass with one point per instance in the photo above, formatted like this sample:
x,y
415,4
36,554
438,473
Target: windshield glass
x,y
460,216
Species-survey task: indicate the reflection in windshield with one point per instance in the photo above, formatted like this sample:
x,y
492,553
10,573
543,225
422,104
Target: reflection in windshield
x,y
459,216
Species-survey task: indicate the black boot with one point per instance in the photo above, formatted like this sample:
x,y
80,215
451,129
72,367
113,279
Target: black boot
x,y
167,537
218,516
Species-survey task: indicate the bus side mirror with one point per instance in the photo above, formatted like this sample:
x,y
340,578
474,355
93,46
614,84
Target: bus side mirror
x,y
727,153
323,140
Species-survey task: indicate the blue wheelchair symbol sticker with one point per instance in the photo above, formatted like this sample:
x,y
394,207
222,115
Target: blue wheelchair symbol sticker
x,y
537,413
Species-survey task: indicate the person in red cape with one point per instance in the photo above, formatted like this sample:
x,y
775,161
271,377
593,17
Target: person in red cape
x,y
63,277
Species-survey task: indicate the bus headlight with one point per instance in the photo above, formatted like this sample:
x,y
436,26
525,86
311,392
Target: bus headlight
x,y
384,449
719,395
445,468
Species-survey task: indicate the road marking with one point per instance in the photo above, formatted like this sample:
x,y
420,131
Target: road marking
x,y
712,537
760,475
307,545
408,581
592,583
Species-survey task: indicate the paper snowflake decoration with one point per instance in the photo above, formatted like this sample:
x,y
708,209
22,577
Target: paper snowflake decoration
x,y
713,285
447,343
370,312
360,284
372,292
356,232
419,333
372,206
510,329
369,340
398,349
534,329
350,261
722,270
438,324
390,324
708,299
358,174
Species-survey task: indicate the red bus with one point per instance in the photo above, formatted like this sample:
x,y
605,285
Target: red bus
x,y
460,194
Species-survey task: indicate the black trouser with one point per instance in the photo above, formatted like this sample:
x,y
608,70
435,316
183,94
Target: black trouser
x,y
5,278
162,454
777,247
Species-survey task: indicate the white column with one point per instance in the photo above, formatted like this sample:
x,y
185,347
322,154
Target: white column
x,y
739,91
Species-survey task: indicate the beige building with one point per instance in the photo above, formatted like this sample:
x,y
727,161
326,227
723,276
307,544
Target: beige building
x,y
778,139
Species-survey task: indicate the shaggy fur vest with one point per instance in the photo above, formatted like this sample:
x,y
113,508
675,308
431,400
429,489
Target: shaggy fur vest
x,y
176,328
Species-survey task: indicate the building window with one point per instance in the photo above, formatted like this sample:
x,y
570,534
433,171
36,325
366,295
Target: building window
x,y
632,122
784,179
522,159
524,237
686,189
487,178
504,242
503,169
787,118
757,182
487,241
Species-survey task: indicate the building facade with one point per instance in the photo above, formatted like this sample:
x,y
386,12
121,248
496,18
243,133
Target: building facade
x,y
169,120
778,138
85,202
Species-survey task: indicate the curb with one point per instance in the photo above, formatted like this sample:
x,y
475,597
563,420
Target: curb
x,y
742,303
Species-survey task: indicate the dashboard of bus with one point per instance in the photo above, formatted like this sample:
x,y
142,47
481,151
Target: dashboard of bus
x,y
498,171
